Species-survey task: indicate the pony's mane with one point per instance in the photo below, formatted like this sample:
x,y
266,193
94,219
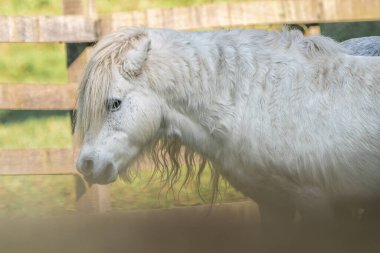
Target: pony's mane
x,y
309,46
96,82
176,164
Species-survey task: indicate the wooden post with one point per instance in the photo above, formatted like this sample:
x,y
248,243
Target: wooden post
x,y
314,29
95,198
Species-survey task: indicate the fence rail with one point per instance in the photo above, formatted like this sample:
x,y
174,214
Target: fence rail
x,y
37,161
37,96
258,12
47,29
81,24
77,28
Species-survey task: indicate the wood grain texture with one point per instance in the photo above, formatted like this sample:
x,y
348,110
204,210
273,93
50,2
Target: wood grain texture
x,y
92,199
47,29
95,198
37,161
246,13
37,96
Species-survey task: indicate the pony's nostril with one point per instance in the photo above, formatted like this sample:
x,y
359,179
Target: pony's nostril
x,y
108,171
87,167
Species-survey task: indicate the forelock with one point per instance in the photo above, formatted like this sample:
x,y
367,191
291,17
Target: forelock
x,y
96,82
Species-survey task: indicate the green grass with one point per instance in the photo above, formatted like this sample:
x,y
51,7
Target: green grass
x,y
33,62
54,7
30,7
35,129
111,6
144,193
31,196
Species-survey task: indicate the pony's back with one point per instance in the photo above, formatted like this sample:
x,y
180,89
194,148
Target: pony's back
x,y
366,46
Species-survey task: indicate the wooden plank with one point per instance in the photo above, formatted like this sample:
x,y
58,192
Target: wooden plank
x,y
77,56
36,161
246,13
95,198
47,29
92,199
313,30
37,96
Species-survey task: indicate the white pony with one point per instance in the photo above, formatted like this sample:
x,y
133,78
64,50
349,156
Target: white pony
x,y
292,122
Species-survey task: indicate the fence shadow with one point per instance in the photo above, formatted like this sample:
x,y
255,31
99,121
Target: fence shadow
x,y
10,117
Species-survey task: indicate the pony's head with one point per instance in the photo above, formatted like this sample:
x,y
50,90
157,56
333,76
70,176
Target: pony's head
x,y
117,116
122,111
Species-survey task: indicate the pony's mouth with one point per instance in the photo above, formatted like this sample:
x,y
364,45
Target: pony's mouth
x,y
107,177
102,181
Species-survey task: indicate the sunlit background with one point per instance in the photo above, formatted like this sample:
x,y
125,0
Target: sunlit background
x,y
22,196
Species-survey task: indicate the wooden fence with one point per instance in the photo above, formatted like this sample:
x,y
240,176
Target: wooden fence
x,y
80,26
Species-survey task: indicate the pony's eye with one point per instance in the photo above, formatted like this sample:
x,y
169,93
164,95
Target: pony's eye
x,y
113,104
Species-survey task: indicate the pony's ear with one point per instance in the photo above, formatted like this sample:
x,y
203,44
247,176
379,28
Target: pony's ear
x,y
136,57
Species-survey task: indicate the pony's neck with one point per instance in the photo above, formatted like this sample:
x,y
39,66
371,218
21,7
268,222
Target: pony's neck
x,y
194,70
200,90
190,133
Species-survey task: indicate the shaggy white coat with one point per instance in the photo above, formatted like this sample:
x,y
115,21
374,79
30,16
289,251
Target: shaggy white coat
x,y
291,121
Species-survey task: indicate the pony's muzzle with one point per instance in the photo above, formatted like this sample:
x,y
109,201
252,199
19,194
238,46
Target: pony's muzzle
x,y
86,168
96,171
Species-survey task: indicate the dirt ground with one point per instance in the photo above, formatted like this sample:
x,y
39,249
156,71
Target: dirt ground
x,y
225,228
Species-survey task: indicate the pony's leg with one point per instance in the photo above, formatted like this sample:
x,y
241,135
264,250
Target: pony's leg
x,y
342,212
347,213
273,214
372,212
369,224
318,226
277,223
314,206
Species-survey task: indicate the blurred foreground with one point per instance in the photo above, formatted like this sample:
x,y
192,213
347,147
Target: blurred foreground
x,y
224,228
